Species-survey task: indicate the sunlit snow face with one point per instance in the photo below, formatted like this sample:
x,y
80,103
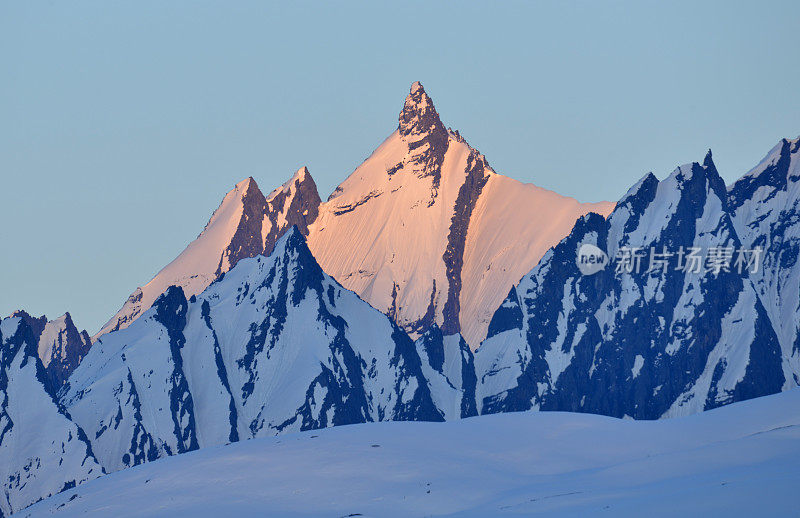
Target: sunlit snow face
x,y
591,259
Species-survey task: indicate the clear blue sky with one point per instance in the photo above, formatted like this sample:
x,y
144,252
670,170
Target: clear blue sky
x,y
122,124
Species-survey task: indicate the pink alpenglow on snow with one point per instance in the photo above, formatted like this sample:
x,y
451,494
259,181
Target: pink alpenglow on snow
x,y
424,230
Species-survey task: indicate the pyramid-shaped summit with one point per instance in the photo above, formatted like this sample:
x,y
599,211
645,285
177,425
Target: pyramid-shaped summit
x,y
427,232
419,116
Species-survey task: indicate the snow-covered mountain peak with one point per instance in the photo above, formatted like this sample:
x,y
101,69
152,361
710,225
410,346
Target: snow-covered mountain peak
x,y
295,203
292,249
765,205
245,224
426,138
301,177
645,188
690,190
419,116
432,230
59,345
245,192
41,451
291,265
707,161
49,336
273,345
36,324
780,151
780,166
690,337
686,172
292,243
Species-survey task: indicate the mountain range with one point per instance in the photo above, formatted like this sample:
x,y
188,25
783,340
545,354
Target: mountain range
x,y
422,230
645,344
426,288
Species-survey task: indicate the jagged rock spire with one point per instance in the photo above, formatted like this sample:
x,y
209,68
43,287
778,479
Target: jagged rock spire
x,y
246,241
426,136
60,345
295,203
245,224
419,116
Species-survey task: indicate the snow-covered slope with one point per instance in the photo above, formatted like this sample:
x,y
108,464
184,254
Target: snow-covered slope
x,y
449,368
41,451
244,225
765,205
425,230
274,345
61,347
658,342
741,460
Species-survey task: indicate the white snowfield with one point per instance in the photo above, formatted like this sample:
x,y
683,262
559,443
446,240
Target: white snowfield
x,y
739,460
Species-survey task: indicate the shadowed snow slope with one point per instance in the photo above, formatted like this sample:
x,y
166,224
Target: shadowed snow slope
x,y
741,460
41,451
657,342
275,345
765,204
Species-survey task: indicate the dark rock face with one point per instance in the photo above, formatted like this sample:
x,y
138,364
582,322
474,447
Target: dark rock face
x,y
300,205
142,446
246,241
508,316
170,311
65,348
67,353
774,175
425,322
644,344
453,257
36,324
295,204
43,452
222,372
427,138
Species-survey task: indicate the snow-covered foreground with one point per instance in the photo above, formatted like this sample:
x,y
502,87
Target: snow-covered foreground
x,y
739,460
